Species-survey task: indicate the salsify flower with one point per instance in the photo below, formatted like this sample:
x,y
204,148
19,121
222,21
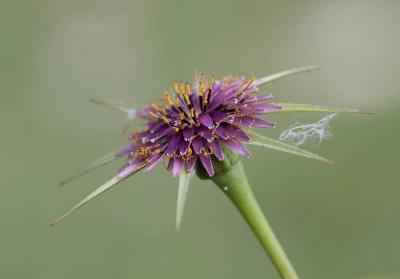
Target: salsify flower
x,y
197,125
193,125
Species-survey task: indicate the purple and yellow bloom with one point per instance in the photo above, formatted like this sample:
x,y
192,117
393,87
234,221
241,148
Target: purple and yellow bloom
x,y
194,122
197,124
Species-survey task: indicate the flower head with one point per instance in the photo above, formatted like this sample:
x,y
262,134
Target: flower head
x,y
195,123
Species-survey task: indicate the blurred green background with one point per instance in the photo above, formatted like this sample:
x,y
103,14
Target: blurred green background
x,y
339,221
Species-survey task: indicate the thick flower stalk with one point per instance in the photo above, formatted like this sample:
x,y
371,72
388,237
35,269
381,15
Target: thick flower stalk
x,y
199,125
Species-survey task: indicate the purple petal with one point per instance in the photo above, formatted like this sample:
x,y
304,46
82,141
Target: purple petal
x,y
207,164
188,133
196,143
236,133
124,150
221,132
216,101
205,133
206,120
177,166
218,116
129,169
249,90
224,95
154,126
216,88
173,144
195,101
192,161
217,151
183,146
162,132
154,161
133,161
233,88
237,147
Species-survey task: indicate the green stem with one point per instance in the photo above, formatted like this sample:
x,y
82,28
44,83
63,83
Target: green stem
x,y
233,182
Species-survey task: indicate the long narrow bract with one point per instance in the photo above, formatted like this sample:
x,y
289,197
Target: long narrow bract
x,y
100,190
130,113
287,73
184,183
290,107
114,106
112,182
263,141
108,158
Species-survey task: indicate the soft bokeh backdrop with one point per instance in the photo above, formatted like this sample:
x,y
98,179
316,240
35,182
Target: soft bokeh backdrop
x,y
339,221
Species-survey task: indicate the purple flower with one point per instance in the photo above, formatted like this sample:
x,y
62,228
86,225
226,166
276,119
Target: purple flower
x,y
194,123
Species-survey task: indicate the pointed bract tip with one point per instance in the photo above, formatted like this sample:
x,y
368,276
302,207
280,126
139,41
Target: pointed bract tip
x,y
328,161
62,183
106,186
97,101
314,67
67,180
361,111
287,73
55,222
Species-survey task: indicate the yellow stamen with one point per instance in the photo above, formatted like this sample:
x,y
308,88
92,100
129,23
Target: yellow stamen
x,y
177,102
201,85
164,111
146,151
165,119
192,112
247,85
153,114
206,97
188,155
211,84
166,95
176,87
212,80
186,99
189,91
181,115
176,129
182,87
155,106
